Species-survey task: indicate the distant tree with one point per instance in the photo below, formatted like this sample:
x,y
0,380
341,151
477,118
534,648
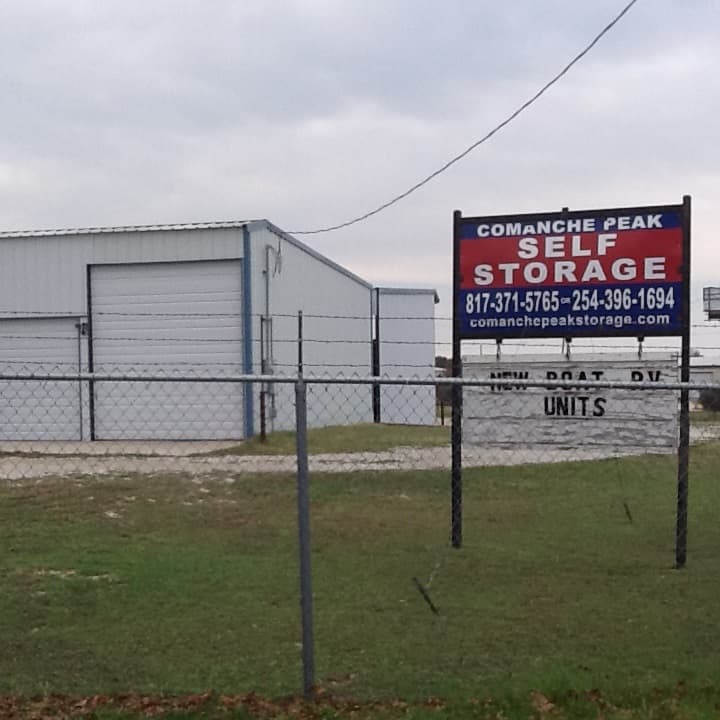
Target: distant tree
x,y
710,399
442,392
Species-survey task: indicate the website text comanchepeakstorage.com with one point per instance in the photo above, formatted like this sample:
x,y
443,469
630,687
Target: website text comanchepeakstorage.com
x,y
570,321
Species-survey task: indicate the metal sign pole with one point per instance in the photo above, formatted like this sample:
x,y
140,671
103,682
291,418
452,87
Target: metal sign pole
x,y
681,527
457,398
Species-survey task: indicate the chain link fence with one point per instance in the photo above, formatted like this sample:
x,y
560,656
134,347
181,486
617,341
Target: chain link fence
x,y
150,543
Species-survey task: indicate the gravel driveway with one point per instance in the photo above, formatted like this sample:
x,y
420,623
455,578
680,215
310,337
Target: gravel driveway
x,y
26,460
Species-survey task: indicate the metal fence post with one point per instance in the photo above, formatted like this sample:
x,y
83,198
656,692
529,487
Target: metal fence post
x,y
263,416
300,343
376,360
263,371
303,505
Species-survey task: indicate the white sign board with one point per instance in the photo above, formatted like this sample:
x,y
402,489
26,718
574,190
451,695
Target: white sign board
x,y
569,416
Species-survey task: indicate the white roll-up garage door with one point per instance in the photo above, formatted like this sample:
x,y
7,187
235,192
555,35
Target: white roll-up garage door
x,y
175,317
40,409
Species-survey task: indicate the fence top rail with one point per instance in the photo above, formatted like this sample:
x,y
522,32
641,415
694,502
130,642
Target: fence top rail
x,y
512,383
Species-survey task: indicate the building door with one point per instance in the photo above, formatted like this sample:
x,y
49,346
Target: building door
x,y
168,317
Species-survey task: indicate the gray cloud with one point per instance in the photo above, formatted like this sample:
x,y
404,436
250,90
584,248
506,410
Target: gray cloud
x,y
311,111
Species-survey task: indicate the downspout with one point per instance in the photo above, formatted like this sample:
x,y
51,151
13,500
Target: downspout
x,y
268,249
264,344
273,258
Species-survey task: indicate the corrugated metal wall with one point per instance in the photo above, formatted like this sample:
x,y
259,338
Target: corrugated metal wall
x,y
407,349
336,329
48,274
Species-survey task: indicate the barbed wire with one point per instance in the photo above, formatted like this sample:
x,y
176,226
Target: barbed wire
x,y
213,365
20,314
177,339
42,314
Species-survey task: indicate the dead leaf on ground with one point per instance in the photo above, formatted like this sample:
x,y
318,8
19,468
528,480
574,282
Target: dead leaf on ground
x,y
542,704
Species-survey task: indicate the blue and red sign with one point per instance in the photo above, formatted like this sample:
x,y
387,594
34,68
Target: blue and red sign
x,y
571,274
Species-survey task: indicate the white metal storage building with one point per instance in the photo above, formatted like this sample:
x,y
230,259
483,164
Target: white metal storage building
x,y
405,325
208,298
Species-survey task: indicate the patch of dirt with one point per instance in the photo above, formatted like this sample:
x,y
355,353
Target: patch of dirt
x,y
69,574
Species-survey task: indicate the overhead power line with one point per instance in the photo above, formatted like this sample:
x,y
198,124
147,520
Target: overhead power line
x,y
483,139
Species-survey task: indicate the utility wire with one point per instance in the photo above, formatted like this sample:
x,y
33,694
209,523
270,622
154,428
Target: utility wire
x,y
483,139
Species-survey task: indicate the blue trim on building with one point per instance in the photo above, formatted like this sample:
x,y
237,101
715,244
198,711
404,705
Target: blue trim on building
x,y
247,332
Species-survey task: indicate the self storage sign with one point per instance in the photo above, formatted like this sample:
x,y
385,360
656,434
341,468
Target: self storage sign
x,y
571,274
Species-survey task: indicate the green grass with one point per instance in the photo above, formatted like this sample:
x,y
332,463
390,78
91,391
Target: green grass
x,y
367,437
170,585
703,416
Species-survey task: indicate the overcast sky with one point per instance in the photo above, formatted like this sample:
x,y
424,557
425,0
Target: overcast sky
x,y
309,112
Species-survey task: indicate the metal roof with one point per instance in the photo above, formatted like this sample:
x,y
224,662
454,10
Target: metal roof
x,y
221,225
410,291
124,228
